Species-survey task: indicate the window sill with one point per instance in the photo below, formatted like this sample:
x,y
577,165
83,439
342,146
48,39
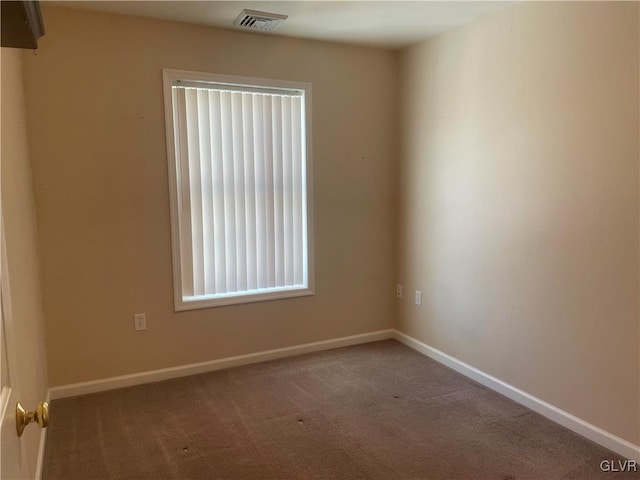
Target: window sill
x,y
195,303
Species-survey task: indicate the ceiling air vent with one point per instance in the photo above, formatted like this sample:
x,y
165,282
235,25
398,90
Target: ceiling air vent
x,y
254,20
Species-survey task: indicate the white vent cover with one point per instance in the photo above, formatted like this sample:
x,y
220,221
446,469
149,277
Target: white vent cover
x,y
254,20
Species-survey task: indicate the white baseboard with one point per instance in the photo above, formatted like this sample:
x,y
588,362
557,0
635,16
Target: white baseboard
x,y
41,447
84,388
596,434
593,433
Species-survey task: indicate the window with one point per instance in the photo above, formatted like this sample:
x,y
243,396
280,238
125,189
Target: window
x,y
239,175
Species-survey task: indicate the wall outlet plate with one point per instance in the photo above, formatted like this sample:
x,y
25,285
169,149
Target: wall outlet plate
x,y
418,297
139,322
399,293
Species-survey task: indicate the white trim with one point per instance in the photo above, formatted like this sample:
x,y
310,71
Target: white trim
x,y
277,293
42,446
173,186
593,433
84,388
308,187
216,78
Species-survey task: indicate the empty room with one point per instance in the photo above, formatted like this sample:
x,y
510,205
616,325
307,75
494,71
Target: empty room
x,y
320,240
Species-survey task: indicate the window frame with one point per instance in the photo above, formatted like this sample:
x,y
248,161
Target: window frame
x,y
169,76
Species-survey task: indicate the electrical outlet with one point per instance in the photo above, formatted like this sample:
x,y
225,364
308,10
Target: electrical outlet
x,y
399,293
139,322
418,297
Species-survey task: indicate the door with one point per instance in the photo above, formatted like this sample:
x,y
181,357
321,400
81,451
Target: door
x,y
11,453
22,352
22,347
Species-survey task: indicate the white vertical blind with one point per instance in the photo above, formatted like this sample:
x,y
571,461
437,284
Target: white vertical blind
x,y
241,179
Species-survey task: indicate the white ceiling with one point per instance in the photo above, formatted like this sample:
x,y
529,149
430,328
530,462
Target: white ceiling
x,y
390,24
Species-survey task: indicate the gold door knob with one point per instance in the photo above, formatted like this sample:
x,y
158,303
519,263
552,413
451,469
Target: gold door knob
x,y
24,418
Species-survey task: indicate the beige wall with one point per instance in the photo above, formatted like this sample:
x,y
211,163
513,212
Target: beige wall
x,y
22,254
96,123
520,203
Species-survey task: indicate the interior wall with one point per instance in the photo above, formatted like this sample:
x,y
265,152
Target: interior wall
x,y
95,103
18,209
519,196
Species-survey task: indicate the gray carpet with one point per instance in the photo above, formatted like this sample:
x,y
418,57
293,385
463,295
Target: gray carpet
x,y
374,411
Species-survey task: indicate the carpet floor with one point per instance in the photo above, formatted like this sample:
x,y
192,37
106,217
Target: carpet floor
x,y
373,411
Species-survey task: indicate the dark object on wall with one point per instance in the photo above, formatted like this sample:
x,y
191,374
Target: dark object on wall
x,y
22,24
